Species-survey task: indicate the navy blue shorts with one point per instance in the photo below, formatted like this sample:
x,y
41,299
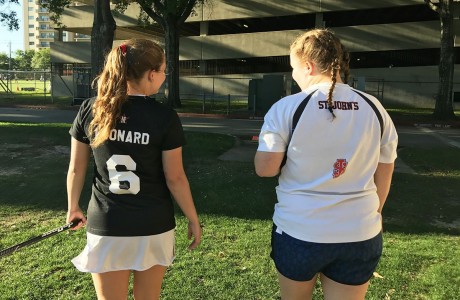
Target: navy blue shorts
x,y
346,263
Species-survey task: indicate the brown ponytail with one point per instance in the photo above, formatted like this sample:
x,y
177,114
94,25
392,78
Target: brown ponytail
x,y
128,62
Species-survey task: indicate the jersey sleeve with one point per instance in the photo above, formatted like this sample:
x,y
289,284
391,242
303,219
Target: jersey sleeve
x,y
389,141
77,130
174,135
274,135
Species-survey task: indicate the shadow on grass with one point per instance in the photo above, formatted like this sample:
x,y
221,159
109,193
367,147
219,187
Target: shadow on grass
x,y
34,162
422,204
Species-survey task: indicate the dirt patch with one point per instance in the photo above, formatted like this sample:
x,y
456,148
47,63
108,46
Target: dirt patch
x,y
455,224
14,146
55,150
62,150
24,152
12,171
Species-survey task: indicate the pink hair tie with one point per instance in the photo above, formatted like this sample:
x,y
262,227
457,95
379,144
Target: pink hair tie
x,y
123,49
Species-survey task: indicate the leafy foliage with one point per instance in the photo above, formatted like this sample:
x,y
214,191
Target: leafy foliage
x,y
23,59
42,59
26,60
4,61
8,17
56,8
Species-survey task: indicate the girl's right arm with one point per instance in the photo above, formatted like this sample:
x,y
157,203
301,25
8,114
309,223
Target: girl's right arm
x,y
79,158
179,187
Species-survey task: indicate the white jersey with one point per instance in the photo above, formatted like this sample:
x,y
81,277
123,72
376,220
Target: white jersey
x,y
326,191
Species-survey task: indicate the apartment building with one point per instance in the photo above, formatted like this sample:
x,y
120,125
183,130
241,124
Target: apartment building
x,y
394,44
39,30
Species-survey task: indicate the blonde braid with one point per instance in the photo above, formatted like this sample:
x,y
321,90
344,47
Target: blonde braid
x,y
334,67
323,48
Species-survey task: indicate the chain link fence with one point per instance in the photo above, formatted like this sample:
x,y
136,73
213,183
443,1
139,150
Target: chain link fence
x,y
34,85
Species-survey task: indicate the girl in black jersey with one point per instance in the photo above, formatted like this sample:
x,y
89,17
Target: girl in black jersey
x,y
137,147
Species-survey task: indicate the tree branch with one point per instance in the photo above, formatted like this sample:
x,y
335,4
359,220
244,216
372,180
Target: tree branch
x,y
107,16
9,1
153,13
158,5
433,6
185,9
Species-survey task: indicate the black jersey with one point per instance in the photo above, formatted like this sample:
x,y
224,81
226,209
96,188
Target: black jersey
x,y
129,192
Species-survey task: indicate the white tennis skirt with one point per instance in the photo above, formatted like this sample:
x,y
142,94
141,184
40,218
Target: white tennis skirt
x,y
113,253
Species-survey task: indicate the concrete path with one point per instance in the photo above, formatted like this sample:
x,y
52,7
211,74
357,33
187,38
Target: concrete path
x,y
37,115
244,129
245,150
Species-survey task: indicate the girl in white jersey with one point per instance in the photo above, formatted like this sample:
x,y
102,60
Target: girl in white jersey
x,y
137,148
334,150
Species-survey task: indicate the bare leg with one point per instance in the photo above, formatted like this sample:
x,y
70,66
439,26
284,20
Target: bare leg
x,y
296,290
111,285
333,290
147,284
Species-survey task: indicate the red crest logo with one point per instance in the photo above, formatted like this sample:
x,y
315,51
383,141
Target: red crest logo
x,y
339,167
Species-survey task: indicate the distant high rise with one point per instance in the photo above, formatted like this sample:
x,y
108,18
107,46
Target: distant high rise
x,y
39,30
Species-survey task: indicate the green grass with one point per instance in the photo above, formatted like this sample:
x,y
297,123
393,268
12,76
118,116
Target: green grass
x,y
21,86
421,241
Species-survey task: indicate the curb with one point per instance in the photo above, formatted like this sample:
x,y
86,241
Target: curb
x,y
219,116
433,125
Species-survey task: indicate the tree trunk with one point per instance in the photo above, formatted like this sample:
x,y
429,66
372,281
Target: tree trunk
x,y
444,105
172,59
102,36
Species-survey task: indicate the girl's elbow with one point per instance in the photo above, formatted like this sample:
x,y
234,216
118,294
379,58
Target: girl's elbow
x,y
265,172
175,180
73,171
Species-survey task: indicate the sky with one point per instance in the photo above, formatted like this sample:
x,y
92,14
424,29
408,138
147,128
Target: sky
x,y
15,37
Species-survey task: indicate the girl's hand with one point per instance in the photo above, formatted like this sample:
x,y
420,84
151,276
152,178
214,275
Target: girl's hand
x,y
76,214
194,230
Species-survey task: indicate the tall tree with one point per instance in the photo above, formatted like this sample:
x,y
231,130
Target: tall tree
x,y
42,59
24,59
444,103
170,15
102,33
4,61
9,17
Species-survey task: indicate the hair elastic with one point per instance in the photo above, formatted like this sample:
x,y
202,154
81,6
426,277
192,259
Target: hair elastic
x,y
123,49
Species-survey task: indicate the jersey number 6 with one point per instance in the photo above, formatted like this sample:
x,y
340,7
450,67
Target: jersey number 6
x,y
122,179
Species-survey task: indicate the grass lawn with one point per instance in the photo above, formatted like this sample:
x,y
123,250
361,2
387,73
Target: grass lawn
x,y
421,238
